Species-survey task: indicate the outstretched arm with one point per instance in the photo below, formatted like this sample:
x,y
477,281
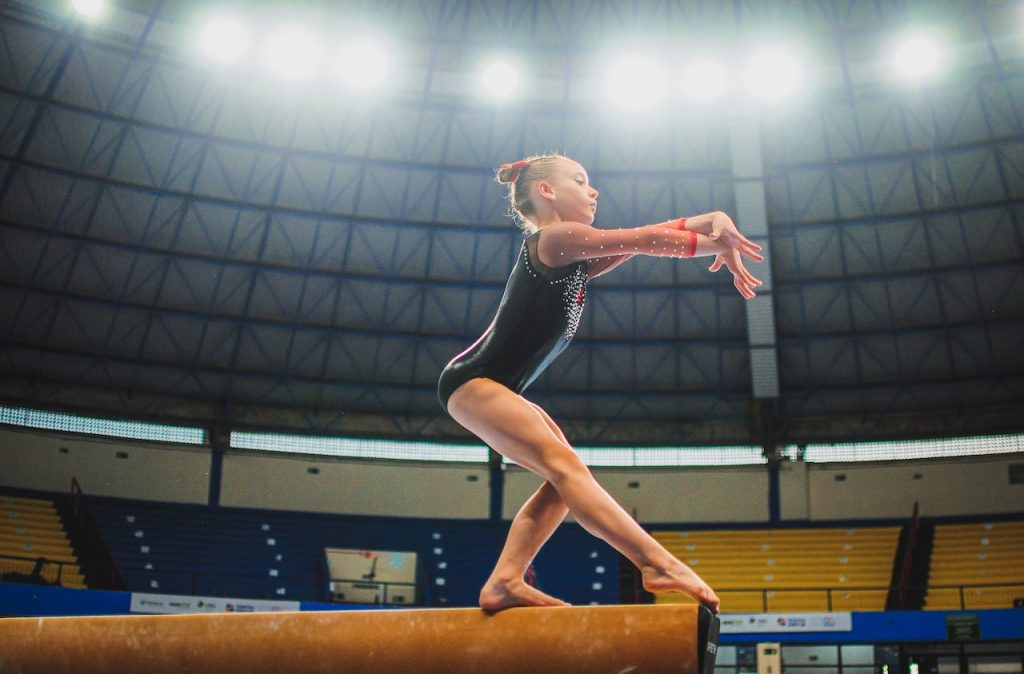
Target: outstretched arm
x,y
716,225
566,243
603,265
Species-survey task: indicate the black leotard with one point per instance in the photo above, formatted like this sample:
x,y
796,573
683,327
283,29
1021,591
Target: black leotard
x,y
537,317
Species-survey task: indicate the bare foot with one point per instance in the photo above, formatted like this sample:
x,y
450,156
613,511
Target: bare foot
x,y
680,578
497,595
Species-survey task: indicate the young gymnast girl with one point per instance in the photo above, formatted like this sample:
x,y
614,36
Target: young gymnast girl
x,y
482,386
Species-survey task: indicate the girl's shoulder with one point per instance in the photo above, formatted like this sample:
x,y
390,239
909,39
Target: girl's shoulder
x,y
563,228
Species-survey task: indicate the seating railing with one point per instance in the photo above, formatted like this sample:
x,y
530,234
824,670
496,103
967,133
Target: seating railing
x,y
20,569
96,557
743,600
844,598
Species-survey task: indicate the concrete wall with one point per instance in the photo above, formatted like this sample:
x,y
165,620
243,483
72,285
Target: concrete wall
x,y
668,494
943,487
404,489
794,502
47,461
153,471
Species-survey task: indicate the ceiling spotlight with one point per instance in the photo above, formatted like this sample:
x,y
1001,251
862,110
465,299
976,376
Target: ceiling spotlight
x,y
224,39
917,57
363,65
89,9
773,74
292,53
636,82
705,80
500,79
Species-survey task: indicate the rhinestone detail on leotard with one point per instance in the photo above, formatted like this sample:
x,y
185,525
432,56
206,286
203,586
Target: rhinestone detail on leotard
x,y
574,293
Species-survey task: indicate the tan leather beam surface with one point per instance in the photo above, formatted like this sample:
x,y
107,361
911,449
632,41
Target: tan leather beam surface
x,y
662,638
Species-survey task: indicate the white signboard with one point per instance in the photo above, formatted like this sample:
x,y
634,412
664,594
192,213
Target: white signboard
x,y
372,576
748,623
174,603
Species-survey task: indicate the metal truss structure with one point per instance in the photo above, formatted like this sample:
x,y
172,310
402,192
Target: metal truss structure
x,y
177,243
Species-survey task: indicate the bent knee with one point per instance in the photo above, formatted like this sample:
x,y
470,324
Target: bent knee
x,y
562,465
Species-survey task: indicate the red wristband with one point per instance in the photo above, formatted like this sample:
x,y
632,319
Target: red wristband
x,y
691,244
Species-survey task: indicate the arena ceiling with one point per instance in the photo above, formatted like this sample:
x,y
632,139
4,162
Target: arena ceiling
x,y
181,242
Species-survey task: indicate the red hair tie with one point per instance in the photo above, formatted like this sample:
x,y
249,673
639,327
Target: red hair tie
x,y
515,168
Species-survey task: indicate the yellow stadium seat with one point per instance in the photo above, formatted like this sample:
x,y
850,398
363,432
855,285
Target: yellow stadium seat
x,y
789,569
31,529
976,565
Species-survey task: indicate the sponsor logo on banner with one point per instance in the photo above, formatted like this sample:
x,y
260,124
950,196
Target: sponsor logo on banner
x,y
747,623
167,603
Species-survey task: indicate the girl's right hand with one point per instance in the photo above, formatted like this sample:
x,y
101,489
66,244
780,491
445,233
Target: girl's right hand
x,y
744,281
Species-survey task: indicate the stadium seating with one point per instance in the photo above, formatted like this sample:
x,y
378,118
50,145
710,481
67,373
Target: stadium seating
x,y
772,570
31,529
980,565
247,553
234,552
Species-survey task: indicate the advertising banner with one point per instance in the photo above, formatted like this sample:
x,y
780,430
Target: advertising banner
x,y
752,623
173,603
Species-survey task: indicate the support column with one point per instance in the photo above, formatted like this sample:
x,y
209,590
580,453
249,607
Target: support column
x,y
774,495
497,484
220,442
752,219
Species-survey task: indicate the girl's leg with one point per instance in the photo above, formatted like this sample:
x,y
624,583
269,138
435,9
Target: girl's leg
x,y
508,423
531,528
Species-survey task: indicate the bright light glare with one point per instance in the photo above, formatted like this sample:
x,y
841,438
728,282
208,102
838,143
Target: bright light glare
x,y
89,9
500,79
636,82
224,39
705,80
917,57
293,53
773,74
363,65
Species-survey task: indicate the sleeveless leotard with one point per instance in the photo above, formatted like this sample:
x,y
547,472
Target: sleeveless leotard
x,y
536,319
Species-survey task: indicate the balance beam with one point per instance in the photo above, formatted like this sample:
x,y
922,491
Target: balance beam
x,y
652,638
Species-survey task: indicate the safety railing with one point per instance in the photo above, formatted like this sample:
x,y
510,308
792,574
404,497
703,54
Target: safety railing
x,y
866,598
36,570
96,557
734,600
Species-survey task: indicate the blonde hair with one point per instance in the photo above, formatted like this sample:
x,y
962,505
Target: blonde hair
x,y
520,177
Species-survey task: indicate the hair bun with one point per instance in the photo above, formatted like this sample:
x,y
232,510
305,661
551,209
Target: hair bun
x,y
509,173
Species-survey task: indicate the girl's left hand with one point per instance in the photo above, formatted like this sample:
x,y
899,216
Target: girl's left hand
x,y
744,281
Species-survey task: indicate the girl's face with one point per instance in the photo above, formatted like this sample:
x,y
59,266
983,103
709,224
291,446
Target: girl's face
x,y
575,198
